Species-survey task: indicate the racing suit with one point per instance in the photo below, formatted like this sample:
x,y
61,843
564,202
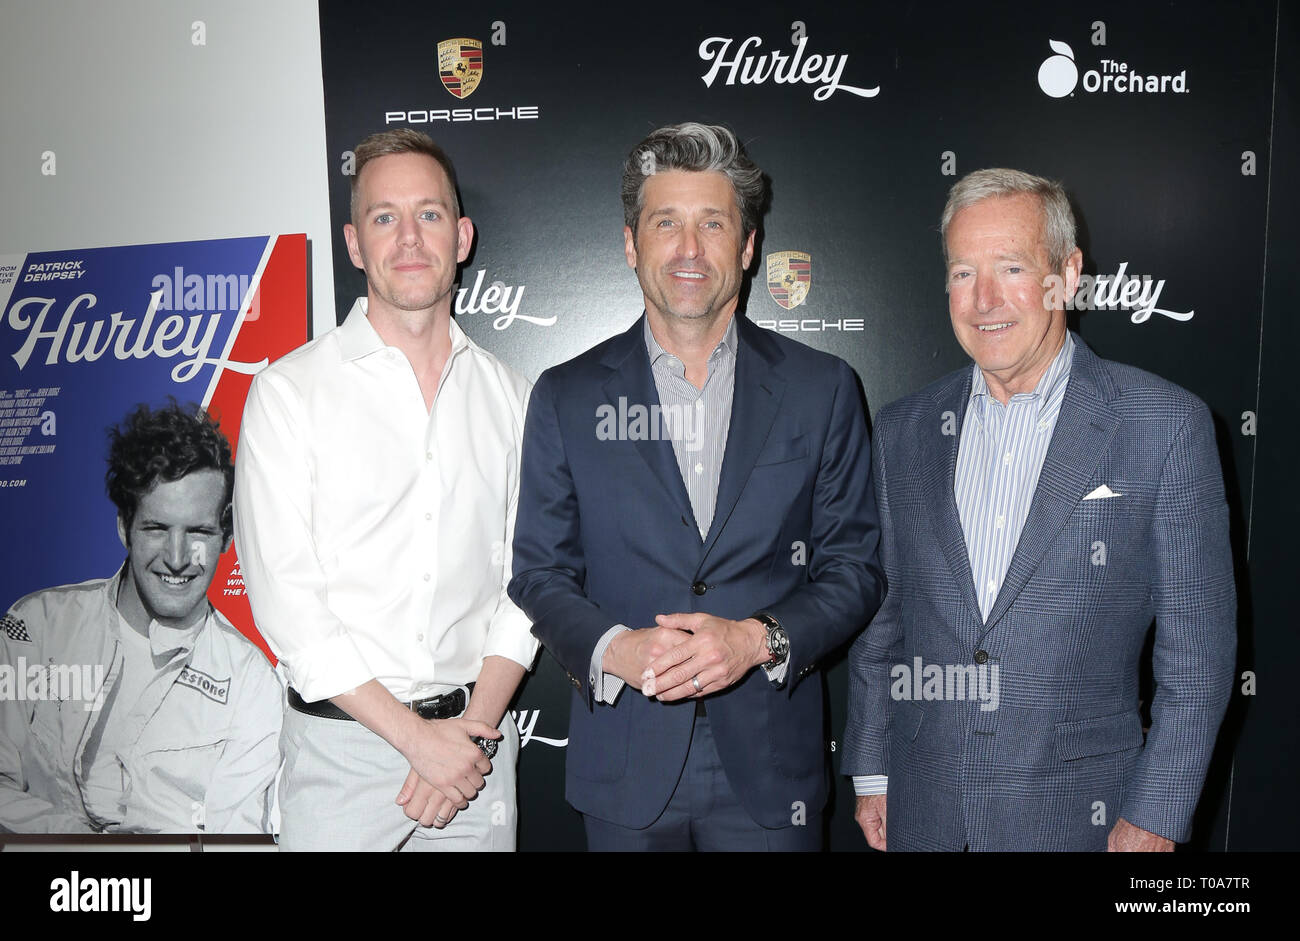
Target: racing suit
x,y
203,735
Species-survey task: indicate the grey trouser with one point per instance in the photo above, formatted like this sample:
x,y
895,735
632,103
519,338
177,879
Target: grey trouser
x,y
340,781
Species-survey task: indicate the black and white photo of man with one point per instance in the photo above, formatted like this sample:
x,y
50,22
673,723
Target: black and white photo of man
x,y
129,704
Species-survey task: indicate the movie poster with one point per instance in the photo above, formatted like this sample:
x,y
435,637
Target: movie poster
x,y
127,702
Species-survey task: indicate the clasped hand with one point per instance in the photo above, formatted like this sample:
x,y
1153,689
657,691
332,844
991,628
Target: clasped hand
x,y
687,655
447,770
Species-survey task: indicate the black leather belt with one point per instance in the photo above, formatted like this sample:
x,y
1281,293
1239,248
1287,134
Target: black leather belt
x,y
447,706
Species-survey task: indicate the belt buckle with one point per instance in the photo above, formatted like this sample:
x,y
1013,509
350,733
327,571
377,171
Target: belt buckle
x,y
416,705
434,703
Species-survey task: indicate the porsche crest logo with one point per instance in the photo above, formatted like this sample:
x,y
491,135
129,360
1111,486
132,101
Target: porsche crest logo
x,y
789,276
460,65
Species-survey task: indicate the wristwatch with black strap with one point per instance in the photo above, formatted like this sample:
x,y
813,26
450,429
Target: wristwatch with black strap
x,y
778,642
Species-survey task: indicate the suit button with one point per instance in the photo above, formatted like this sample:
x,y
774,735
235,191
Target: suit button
x,y
699,588
981,656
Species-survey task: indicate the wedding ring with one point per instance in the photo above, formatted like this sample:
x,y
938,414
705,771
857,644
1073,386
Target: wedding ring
x,y
695,681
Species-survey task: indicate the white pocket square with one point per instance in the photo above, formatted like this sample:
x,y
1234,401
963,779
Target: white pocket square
x,y
1102,493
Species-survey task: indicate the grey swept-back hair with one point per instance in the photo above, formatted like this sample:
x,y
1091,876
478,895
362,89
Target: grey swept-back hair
x,y
1058,217
696,148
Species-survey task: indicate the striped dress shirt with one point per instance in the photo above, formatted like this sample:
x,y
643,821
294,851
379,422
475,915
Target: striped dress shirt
x,y
698,420
999,458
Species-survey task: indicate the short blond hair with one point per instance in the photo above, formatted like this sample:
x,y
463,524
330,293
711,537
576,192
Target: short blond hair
x,y
401,140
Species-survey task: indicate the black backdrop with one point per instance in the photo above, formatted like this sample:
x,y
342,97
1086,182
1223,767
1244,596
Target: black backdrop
x,y
1180,184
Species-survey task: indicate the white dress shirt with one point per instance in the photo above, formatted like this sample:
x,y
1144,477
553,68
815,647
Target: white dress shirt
x,y
374,535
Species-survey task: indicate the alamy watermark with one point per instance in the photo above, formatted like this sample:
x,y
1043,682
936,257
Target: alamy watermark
x,y
209,292
78,893
928,682
54,682
637,422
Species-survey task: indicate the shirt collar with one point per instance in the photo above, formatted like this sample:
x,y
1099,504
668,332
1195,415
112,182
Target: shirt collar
x,y
164,641
1049,386
727,343
358,338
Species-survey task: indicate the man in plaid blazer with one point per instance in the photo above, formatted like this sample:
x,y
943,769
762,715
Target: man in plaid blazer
x,y
1038,511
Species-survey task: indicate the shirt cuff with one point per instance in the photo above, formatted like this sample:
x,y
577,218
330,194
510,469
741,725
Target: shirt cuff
x,y
605,687
864,785
510,636
777,673
327,668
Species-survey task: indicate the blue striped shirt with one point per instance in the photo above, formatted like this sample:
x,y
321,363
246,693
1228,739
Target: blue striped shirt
x,y
698,420
999,458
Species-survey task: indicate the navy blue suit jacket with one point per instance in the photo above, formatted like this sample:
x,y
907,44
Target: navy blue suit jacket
x,y
605,535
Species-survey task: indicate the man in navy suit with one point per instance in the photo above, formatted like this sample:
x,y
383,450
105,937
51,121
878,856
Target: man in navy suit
x,y
1039,509
696,521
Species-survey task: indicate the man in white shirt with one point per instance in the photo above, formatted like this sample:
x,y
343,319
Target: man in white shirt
x,y
374,508
143,710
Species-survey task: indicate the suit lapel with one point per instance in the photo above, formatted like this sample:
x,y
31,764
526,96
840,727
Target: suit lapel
x,y
632,383
937,454
754,405
1084,430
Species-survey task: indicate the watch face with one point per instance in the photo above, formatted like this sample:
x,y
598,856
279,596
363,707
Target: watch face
x,y
778,643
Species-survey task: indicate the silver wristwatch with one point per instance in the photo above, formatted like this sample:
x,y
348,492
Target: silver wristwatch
x,y
778,642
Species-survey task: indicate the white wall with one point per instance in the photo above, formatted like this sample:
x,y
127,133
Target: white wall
x,y
157,139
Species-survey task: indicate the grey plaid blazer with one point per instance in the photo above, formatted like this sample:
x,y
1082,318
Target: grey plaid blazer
x,y
1063,755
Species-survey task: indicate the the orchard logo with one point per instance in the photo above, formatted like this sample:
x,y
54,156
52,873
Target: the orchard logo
x,y
1058,76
